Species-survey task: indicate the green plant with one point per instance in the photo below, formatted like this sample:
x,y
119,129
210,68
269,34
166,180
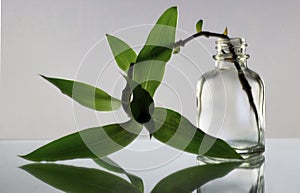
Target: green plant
x,y
143,72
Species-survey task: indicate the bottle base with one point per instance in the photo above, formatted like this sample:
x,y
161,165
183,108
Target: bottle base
x,y
247,149
249,163
250,152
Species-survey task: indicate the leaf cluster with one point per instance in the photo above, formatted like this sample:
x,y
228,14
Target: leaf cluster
x,y
143,73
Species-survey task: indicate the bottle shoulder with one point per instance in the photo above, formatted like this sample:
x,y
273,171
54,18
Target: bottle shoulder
x,y
229,74
253,76
209,74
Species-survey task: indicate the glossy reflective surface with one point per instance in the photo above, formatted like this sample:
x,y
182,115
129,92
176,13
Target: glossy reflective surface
x,y
168,171
245,178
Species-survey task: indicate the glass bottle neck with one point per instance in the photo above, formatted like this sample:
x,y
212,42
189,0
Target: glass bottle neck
x,y
222,64
231,53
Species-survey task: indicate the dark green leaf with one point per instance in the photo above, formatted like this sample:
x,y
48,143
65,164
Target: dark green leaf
x,y
90,143
199,25
109,164
85,94
175,130
151,61
142,104
122,52
79,179
187,180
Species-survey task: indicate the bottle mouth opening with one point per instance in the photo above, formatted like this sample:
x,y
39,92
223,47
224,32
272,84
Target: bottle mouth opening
x,y
234,41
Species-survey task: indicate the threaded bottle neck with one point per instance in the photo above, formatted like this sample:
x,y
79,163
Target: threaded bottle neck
x,y
225,47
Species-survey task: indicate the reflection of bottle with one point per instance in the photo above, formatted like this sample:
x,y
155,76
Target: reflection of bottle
x,y
247,178
231,101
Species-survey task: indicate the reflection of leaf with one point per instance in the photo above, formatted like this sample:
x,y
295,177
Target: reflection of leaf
x,y
151,61
175,130
123,54
90,143
85,94
79,179
187,180
109,164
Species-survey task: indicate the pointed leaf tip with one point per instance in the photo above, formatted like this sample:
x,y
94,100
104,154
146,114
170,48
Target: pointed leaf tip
x,y
22,156
89,143
174,8
226,31
199,25
156,52
43,76
86,95
123,53
176,50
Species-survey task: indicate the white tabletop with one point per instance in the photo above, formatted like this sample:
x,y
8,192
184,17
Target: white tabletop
x,y
151,162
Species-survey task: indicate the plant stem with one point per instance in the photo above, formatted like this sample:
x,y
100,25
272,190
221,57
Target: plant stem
x,y
242,78
206,34
126,93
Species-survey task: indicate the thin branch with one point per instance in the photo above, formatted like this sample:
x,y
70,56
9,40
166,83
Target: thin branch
x,y
207,34
126,93
246,87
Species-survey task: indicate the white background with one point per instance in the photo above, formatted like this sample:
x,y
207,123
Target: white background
x,y
52,37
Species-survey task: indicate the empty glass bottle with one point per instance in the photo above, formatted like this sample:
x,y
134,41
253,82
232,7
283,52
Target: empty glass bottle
x,y
231,100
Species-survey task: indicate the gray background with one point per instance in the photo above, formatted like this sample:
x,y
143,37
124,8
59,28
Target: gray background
x,y
53,37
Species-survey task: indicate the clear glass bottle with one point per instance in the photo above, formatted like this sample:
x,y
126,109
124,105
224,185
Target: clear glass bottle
x,y
231,100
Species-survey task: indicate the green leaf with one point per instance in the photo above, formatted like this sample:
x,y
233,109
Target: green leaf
x,y
176,50
122,52
142,104
226,31
85,94
187,180
109,164
79,179
175,130
199,25
151,61
90,143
